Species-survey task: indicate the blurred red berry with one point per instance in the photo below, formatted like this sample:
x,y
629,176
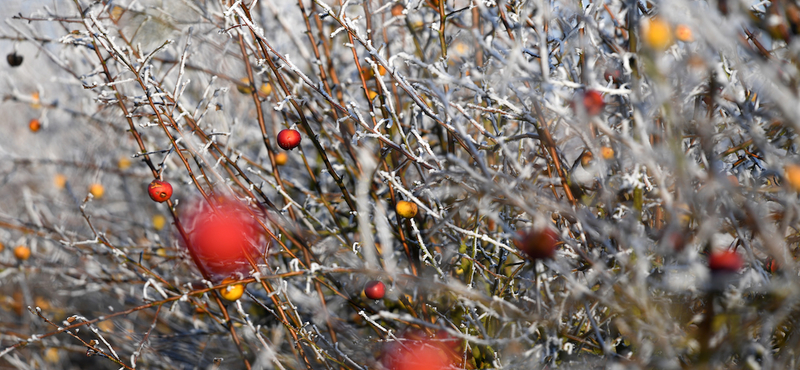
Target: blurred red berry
x,y
725,261
159,190
593,102
772,266
418,354
221,239
288,139
375,289
537,244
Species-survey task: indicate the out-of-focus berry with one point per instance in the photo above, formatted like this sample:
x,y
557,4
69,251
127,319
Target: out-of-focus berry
x,y
725,261
97,190
657,33
22,252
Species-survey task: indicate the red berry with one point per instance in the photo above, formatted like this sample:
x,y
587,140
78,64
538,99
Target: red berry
x,y
725,261
593,102
537,244
772,266
288,139
222,239
419,353
159,190
375,290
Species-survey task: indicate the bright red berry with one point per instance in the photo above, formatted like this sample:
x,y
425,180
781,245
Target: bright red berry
x,y
222,240
159,190
375,290
537,244
288,139
725,261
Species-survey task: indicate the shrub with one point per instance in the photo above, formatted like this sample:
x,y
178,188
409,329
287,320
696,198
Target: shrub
x,y
646,135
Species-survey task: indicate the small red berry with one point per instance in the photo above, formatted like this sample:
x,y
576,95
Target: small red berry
x,y
159,190
375,290
593,102
288,139
725,261
537,244
772,265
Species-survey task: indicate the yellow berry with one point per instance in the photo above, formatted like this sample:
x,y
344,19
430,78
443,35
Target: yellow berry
x,y
51,355
607,152
231,292
265,89
159,221
657,34
96,190
281,158
22,252
60,181
792,176
124,163
406,209
161,252
369,72
244,87
371,94
683,33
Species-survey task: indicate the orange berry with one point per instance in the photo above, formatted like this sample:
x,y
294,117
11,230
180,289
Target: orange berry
x,y
397,10
791,172
231,292
60,181
607,152
657,33
265,89
406,209
97,190
22,252
244,86
2,247
34,125
683,33
281,158
371,94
